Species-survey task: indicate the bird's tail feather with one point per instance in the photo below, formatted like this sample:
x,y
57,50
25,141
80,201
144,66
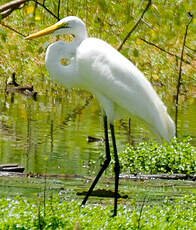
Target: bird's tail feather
x,y
166,126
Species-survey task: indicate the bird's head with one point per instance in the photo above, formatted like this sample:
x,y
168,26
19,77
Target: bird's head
x,y
69,25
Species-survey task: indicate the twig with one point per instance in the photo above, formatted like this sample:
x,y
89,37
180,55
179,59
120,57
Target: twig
x,y
59,6
67,6
49,11
180,73
160,48
10,28
135,26
190,48
147,23
189,55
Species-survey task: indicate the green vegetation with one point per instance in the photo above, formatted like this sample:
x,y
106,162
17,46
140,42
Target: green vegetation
x,y
21,214
37,134
150,157
152,204
163,25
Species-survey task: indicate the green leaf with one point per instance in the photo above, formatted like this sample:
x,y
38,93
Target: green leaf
x,y
3,35
136,53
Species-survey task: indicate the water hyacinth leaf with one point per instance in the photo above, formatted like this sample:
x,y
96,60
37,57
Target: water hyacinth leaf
x,y
176,157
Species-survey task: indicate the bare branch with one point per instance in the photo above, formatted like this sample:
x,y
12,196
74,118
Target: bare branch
x,y
8,8
59,6
190,48
160,48
10,28
180,72
135,26
13,4
147,24
49,11
6,13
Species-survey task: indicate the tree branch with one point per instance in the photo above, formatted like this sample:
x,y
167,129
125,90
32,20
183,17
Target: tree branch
x,y
190,48
8,8
49,11
12,4
59,6
6,13
160,48
180,72
135,26
10,28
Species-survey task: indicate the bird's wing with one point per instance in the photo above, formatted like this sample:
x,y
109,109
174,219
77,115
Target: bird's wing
x,y
106,72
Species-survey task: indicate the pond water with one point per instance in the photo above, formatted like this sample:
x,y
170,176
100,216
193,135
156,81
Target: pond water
x,y
68,187
50,135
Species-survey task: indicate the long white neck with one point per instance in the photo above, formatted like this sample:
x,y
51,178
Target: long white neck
x,y
67,75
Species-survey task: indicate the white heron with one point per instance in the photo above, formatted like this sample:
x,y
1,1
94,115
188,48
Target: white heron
x,y
119,86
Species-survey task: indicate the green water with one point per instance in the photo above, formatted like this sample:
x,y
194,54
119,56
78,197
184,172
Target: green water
x,y
68,187
50,135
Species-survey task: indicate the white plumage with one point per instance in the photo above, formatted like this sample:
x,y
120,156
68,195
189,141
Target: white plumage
x,y
119,86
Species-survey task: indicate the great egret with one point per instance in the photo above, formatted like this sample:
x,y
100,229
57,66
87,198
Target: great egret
x,y
119,86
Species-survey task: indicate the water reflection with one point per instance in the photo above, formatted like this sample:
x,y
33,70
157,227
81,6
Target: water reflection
x,y
50,135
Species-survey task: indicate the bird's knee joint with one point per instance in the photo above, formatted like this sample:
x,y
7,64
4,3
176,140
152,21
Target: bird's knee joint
x,y
107,161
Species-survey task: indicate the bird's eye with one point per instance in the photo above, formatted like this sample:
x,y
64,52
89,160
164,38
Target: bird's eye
x,y
65,61
66,26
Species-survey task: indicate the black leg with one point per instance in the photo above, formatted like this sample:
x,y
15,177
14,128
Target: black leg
x,y
116,169
106,162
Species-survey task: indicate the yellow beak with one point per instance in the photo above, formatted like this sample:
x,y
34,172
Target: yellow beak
x,y
46,31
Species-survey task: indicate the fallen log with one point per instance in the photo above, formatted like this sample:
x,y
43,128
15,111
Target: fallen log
x,y
159,176
8,165
127,176
11,168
